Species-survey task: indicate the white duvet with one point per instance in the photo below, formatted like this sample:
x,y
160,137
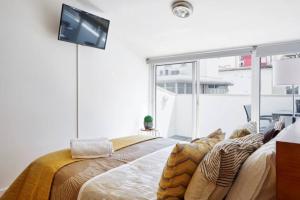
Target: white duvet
x,y
136,180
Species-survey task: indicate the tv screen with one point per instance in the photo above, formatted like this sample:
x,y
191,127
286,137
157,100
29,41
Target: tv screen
x,y
83,28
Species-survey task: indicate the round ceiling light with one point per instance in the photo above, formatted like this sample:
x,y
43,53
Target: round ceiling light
x,y
182,9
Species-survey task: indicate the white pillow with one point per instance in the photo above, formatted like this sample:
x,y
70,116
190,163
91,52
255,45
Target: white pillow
x,y
253,174
91,148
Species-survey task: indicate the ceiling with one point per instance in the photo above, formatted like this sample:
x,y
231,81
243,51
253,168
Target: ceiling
x,y
149,28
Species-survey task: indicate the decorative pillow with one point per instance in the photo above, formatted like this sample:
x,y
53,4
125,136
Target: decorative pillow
x,y
271,133
218,169
217,134
246,129
257,177
251,127
181,166
239,133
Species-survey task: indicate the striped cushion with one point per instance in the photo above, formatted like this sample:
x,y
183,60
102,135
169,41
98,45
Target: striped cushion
x,y
181,166
220,166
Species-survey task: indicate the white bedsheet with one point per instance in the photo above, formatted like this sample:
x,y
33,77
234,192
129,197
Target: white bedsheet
x,y
136,180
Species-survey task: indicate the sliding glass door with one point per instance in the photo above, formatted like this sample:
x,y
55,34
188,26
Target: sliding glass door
x,y
222,89
194,99
224,93
174,100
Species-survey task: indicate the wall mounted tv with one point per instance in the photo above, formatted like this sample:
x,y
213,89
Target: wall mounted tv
x,y
83,28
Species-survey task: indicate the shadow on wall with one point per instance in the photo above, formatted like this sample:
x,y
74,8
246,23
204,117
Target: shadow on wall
x,y
50,11
91,5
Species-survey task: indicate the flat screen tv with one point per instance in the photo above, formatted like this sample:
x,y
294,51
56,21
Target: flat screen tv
x,y
83,28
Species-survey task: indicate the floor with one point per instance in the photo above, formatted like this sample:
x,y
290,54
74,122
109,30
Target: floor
x,y
182,138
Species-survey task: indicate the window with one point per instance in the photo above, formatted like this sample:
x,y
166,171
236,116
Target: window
x,y
189,88
161,85
175,72
225,90
180,88
171,87
276,101
289,90
174,102
225,87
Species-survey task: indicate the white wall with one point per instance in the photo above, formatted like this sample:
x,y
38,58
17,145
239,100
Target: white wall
x,y
38,86
113,93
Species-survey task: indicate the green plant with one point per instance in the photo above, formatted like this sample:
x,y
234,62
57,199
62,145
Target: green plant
x,y
148,119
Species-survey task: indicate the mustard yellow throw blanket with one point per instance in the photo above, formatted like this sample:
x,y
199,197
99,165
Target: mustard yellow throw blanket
x,y
34,183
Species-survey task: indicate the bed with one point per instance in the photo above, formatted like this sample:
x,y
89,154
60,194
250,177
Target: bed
x,y
69,175
134,172
69,179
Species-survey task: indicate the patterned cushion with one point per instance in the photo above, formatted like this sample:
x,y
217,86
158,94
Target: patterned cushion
x,y
220,166
181,166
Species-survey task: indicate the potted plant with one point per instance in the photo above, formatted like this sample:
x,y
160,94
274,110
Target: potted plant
x,y
148,122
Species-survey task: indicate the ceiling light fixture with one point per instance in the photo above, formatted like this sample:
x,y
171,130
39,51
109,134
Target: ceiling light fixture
x,y
182,9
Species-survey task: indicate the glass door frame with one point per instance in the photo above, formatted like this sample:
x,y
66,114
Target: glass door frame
x,y
153,91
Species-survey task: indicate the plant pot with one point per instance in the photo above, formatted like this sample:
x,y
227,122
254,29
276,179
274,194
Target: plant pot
x,y
148,125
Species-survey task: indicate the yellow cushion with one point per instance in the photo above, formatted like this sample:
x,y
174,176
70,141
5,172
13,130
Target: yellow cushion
x,y
181,165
